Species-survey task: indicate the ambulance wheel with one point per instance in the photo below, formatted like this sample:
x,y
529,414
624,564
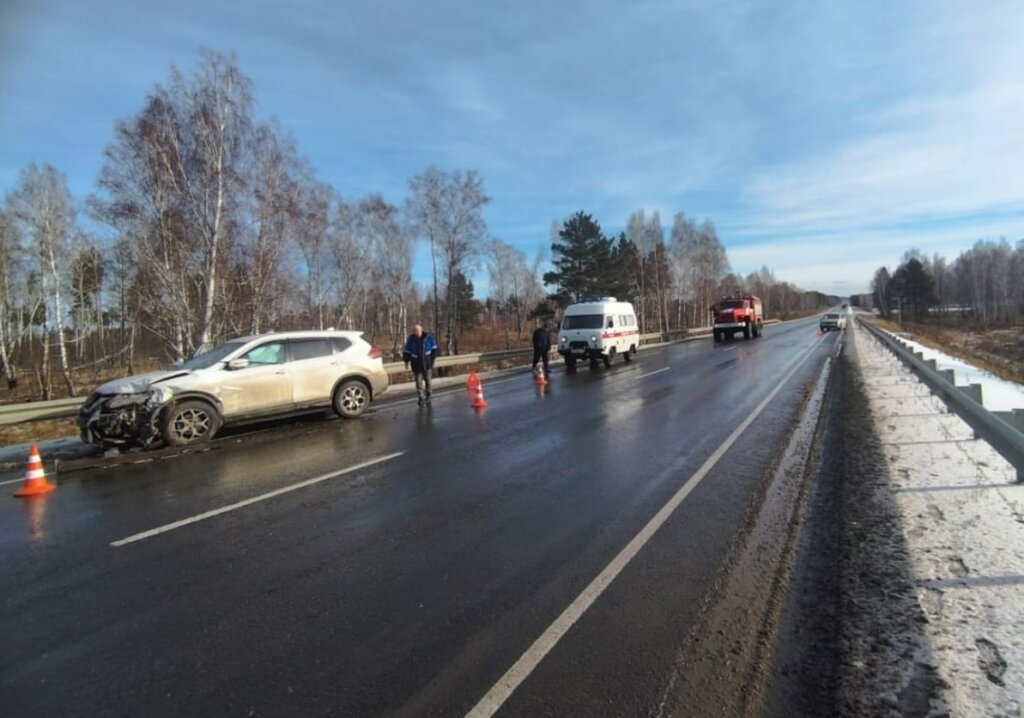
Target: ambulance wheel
x,y
628,354
608,357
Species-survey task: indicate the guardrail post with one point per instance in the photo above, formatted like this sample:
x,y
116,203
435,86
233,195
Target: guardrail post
x,y
932,364
973,391
965,401
1014,418
949,375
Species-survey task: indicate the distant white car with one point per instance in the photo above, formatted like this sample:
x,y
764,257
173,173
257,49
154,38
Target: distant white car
x,y
832,321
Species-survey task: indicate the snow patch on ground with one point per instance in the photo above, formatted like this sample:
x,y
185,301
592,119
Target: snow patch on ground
x,y
963,517
997,394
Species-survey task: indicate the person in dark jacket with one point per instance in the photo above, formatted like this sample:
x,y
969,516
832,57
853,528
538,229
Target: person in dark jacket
x,y
420,352
541,347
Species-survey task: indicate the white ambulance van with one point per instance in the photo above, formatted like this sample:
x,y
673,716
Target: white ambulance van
x,y
598,328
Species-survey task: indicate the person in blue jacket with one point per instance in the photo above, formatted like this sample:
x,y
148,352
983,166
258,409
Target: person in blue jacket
x,y
420,351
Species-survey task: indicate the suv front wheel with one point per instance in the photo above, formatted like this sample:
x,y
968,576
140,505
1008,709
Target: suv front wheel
x,y
189,422
351,399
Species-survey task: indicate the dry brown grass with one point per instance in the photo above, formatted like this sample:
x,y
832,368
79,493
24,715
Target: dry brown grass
x,y
31,431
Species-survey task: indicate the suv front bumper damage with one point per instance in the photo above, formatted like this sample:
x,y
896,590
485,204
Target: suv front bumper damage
x,y
119,419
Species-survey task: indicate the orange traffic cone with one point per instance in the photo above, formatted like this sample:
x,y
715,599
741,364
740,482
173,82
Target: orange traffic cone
x,y
478,402
538,376
35,477
472,382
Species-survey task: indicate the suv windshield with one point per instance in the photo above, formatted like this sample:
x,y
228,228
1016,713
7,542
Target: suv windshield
x,y
214,356
583,321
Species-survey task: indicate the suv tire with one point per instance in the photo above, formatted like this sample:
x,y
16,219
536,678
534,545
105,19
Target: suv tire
x,y
189,422
351,399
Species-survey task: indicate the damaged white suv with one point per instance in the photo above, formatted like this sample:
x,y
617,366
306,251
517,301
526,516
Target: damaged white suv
x,y
245,379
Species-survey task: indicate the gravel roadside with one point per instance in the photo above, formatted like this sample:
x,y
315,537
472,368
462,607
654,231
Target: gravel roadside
x,y
910,575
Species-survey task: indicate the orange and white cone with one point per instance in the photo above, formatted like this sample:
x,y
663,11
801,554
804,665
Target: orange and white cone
x,y
35,477
473,382
478,402
538,376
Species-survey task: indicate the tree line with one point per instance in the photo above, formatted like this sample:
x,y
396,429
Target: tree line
x,y
207,223
984,283
673,284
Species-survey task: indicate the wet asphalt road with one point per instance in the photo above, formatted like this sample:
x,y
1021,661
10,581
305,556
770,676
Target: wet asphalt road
x,y
410,586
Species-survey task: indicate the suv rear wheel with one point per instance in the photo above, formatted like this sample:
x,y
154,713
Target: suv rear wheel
x,y
351,399
189,422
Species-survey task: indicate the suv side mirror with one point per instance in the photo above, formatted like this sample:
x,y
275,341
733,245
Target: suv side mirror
x,y
236,364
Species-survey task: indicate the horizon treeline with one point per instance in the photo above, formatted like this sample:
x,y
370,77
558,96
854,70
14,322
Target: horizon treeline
x,y
984,283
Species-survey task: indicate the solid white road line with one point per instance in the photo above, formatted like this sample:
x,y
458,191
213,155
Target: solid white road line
x,y
262,497
12,481
521,669
652,373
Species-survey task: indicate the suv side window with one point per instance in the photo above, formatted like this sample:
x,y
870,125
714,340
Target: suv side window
x,y
340,344
270,353
310,348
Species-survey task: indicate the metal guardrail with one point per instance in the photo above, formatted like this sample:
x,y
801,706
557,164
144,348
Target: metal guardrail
x,y
1000,435
66,408
39,410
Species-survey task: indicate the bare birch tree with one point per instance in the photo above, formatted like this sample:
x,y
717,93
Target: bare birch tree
x,y
275,207
637,233
390,261
172,181
17,306
310,232
447,209
42,204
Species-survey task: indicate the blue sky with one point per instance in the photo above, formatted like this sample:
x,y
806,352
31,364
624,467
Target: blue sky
x,y
822,139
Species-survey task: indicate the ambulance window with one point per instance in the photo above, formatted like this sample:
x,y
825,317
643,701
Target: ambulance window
x,y
582,321
611,322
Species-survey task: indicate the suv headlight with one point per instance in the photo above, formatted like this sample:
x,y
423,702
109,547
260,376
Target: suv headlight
x,y
593,340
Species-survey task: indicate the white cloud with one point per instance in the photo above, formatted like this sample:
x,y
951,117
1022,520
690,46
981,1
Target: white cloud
x,y
940,157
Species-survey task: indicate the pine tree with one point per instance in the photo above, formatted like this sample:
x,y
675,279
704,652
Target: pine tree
x,y
583,259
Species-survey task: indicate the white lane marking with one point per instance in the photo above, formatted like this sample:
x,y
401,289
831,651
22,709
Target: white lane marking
x,y
521,669
652,373
12,481
730,349
262,497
